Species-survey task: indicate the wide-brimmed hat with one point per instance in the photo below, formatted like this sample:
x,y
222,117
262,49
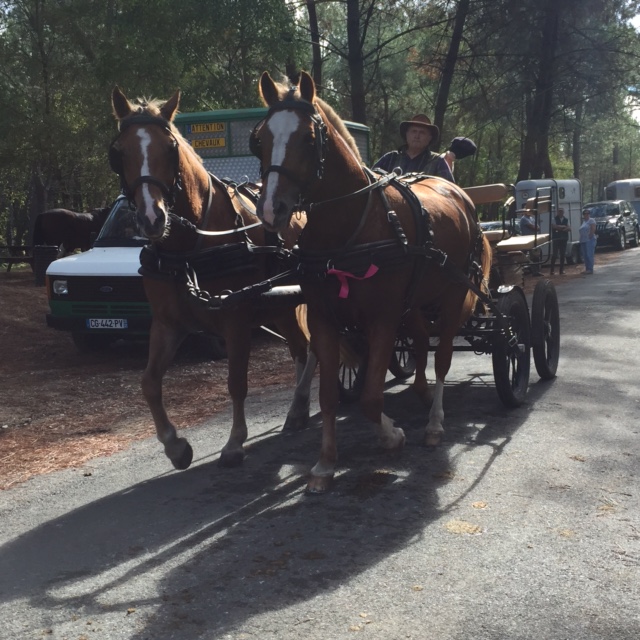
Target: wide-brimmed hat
x,y
420,120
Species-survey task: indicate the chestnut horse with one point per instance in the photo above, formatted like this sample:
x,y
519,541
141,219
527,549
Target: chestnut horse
x,y
68,230
375,251
204,241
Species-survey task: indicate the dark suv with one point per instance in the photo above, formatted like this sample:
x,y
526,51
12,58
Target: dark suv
x,y
617,223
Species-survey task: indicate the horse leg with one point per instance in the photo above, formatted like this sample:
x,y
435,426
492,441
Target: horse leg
x,y
381,343
238,340
444,352
298,414
325,344
417,331
163,344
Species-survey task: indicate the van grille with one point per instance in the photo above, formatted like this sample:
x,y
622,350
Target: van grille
x,y
105,289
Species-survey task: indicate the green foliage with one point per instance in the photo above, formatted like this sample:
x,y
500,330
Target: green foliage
x,y
59,61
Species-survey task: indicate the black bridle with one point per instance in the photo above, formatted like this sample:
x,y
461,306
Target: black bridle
x,y
319,131
117,166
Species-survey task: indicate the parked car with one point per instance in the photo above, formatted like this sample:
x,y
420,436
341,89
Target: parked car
x,y
497,225
617,223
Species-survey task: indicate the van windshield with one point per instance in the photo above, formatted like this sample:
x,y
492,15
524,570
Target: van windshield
x,y
120,228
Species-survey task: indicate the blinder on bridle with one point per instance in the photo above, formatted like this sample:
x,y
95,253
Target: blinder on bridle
x,y
319,131
117,165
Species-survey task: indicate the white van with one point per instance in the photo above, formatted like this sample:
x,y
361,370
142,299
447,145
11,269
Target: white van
x,y
98,295
628,190
566,197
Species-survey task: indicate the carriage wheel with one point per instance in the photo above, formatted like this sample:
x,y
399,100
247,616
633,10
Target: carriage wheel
x,y
511,365
545,329
403,363
353,367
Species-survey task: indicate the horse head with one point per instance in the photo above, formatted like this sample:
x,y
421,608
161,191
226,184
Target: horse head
x,y
290,143
146,157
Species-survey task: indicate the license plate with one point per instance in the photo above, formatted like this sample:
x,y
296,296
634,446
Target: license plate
x,y
107,323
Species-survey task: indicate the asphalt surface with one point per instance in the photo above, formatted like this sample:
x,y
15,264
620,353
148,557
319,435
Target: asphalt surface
x,y
525,524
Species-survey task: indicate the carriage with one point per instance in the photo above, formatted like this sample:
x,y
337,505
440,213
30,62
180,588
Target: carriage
x,y
536,330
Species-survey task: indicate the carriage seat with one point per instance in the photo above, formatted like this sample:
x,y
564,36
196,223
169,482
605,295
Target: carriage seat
x,y
487,193
523,243
496,235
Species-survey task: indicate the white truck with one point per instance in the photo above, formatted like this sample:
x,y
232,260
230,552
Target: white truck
x,y
98,295
566,197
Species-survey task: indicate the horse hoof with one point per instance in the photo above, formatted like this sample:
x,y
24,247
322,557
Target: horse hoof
x,y
318,485
183,460
296,423
433,440
231,459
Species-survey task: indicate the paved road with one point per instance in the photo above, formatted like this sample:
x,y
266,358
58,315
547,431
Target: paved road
x,y
524,525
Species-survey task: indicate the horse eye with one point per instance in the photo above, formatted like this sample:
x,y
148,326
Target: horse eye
x,y
310,139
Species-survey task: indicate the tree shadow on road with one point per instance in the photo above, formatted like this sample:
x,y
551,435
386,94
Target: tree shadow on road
x,y
202,552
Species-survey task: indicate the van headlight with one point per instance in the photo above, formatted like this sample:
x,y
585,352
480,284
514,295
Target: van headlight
x,y
60,287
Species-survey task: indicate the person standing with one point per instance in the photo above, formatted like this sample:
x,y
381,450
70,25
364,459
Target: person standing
x,y
414,156
559,239
528,224
588,240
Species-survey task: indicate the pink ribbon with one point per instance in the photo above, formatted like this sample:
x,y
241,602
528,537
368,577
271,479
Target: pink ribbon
x,y
343,275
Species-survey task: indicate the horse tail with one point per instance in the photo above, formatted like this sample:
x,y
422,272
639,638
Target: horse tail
x,y
348,354
301,317
481,279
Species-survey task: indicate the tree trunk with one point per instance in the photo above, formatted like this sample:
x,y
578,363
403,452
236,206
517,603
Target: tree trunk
x,y
577,130
316,65
442,98
535,161
356,63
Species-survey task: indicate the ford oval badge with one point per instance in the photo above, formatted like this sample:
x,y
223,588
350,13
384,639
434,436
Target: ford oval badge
x,y
106,289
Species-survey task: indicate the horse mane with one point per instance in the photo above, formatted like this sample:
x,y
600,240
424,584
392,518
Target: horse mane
x,y
335,120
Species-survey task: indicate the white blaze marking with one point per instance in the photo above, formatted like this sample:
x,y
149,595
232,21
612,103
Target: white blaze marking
x,y
145,141
282,124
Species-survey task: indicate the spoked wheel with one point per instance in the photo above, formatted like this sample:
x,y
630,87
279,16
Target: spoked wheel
x,y
511,363
634,237
353,367
622,243
545,329
403,363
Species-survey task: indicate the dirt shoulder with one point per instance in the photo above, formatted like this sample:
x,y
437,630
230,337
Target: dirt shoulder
x,y
60,408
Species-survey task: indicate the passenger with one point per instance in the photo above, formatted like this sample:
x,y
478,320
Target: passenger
x,y
559,238
588,241
414,155
528,224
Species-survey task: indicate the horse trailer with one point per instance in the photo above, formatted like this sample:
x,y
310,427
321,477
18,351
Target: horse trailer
x,y
628,190
566,198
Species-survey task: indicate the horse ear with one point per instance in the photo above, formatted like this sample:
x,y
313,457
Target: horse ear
x,y
170,107
268,89
121,106
307,87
